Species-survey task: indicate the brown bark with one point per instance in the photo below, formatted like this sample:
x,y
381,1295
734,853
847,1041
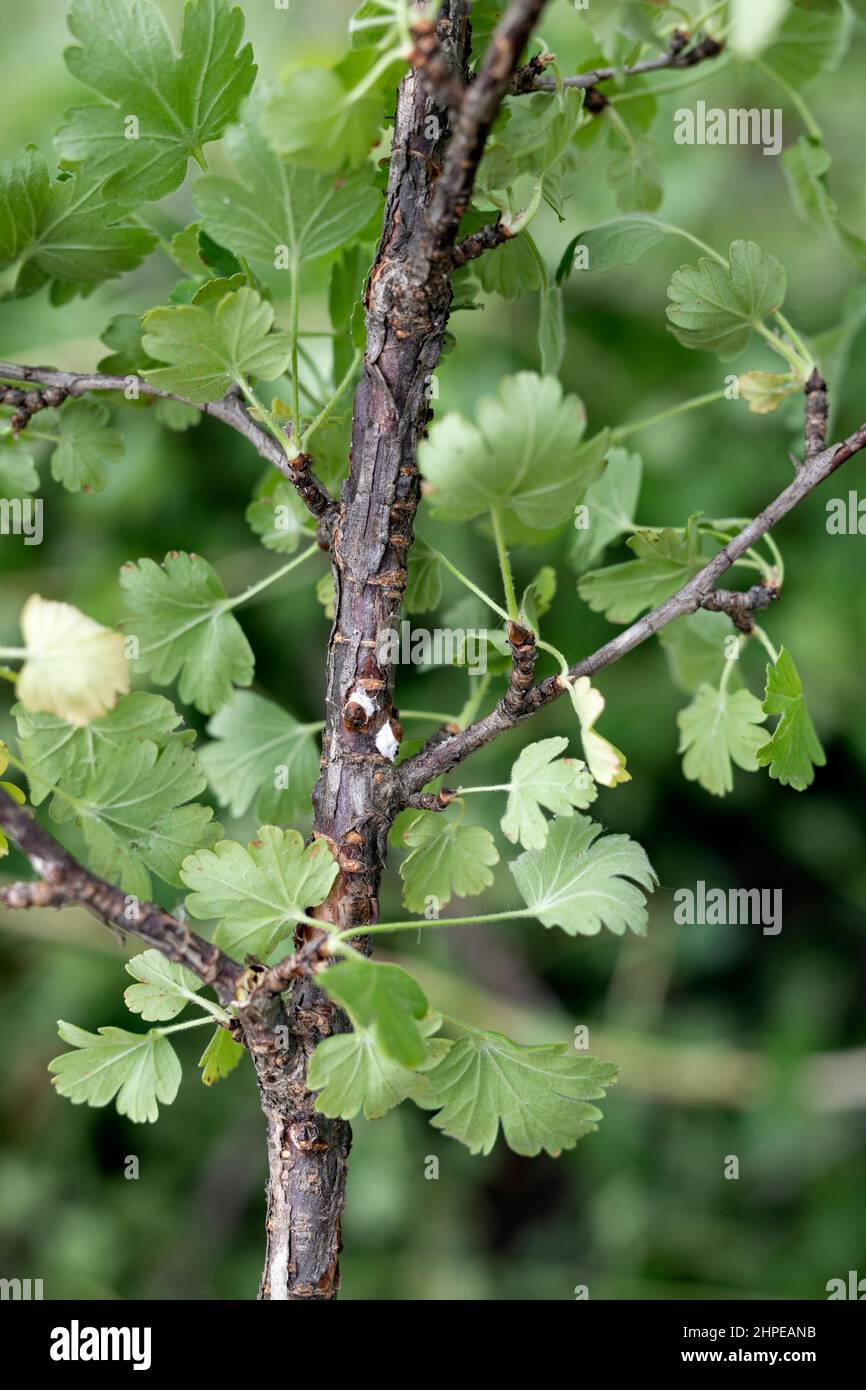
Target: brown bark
x,y
63,882
407,300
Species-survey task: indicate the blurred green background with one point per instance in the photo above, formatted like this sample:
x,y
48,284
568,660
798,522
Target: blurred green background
x,y
730,1042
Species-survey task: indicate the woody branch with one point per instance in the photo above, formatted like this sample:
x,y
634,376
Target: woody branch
x,y
63,882
48,387
699,592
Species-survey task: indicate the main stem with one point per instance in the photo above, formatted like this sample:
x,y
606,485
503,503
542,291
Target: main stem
x,y
408,300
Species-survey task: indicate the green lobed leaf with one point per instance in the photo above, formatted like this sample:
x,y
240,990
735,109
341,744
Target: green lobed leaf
x,y
447,857
524,454
278,516
181,100
373,23
184,628
620,24
539,132
317,120
486,14
68,233
794,751
220,1057
123,336
716,307
384,1001
134,814
85,444
634,173
18,475
717,729
753,26
345,309
620,241
695,648
260,754
164,988
551,330
833,347
351,1073
424,582
512,269
808,42
139,1069
209,347
805,166
257,893
581,883
666,560
274,204
540,777
538,597
59,753
539,1095
610,504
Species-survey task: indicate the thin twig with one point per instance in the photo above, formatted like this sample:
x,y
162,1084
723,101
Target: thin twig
x,y
475,116
487,239
64,882
417,771
230,410
675,58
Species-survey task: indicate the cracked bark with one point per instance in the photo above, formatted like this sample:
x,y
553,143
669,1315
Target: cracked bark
x,y
408,299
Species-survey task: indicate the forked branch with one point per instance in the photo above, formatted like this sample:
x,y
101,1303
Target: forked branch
x,y
230,410
433,762
682,53
63,882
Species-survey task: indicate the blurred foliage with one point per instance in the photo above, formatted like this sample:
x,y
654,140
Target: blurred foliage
x,y
641,1209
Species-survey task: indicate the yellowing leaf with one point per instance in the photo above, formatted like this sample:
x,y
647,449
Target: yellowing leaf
x,y
74,667
220,1057
765,391
605,762
11,790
